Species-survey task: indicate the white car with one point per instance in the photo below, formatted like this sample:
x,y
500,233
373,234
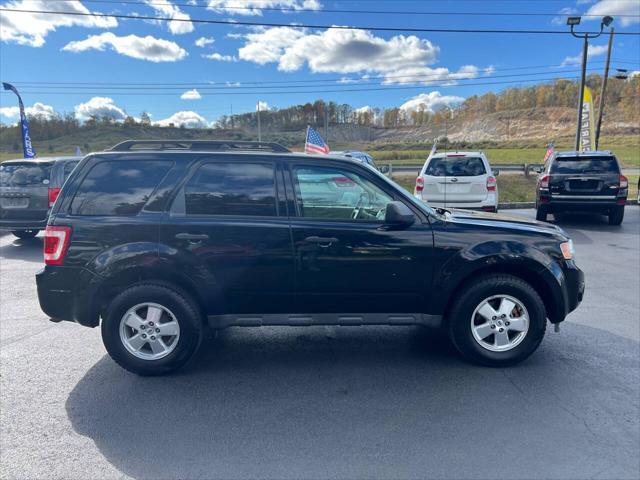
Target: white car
x,y
458,180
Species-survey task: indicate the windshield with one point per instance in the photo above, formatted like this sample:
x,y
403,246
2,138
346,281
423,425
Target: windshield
x,y
24,174
455,167
578,165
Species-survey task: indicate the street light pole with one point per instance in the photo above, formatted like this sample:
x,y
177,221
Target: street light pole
x,y
572,22
604,88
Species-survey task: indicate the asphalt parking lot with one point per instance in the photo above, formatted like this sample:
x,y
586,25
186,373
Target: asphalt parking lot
x,y
377,402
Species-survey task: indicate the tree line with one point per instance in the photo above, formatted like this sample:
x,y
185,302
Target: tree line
x,y
622,99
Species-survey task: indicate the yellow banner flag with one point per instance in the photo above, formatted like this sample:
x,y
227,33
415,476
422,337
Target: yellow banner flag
x,y
587,134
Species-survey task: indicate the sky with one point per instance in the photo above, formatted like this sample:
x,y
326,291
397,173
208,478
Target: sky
x,y
185,72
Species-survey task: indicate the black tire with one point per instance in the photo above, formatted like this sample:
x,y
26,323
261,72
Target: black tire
x,y
25,234
472,295
616,215
541,214
184,309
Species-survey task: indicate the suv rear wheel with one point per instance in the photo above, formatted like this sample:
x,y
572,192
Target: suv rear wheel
x,y
24,234
541,214
616,215
151,329
498,321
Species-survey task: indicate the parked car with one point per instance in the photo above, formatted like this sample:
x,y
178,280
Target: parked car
x,y
155,242
459,180
364,157
582,181
28,189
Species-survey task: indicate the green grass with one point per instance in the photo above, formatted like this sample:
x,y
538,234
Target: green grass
x,y
515,188
629,156
626,148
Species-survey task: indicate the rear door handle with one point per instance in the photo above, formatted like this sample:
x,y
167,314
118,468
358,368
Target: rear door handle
x,y
322,241
192,236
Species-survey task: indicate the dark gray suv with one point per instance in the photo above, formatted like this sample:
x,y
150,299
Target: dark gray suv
x,y
28,189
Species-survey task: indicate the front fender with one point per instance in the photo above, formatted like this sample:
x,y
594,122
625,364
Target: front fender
x,y
526,261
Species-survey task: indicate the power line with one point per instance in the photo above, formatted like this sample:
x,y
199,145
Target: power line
x,y
300,25
417,87
210,88
232,84
329,10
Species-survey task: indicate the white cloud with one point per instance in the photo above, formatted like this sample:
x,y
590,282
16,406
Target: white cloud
x,y
32,28
262,106
204,41
593,51
400,59
365,109
143,48
252,7
219,57
99,107
561,19
615,8
191,95
430,102
188,119
169,10
38,109
489,70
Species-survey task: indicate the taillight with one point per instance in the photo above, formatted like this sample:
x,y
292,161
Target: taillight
x,y
492,184
53,194
56,242
624,182
544,181
419,184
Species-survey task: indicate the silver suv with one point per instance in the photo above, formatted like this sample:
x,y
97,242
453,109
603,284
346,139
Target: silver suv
x,y
28,189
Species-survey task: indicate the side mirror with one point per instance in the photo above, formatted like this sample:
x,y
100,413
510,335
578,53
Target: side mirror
x,y
384,169
398,215
496,173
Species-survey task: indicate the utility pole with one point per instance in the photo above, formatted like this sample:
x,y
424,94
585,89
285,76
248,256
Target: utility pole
x,y
604,88
259,129
572,22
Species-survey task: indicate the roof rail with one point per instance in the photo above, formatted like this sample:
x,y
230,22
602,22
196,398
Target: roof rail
x,y
200,145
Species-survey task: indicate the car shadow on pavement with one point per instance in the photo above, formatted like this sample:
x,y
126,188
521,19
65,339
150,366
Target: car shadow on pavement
x,y
368,402
29,249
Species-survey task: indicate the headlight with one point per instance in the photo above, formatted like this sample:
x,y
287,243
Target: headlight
x,y
568,251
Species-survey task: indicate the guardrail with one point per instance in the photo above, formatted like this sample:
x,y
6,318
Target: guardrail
x,y
526,168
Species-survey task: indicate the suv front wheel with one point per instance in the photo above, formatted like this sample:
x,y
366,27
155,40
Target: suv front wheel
x,y
151,329
498,321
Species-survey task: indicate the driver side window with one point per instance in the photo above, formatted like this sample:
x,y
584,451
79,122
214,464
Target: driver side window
x,y
335,194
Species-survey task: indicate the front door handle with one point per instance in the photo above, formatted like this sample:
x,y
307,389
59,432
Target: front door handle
x,y
192,236
322,241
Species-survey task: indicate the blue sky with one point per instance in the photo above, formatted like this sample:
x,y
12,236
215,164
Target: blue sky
x,y
230,66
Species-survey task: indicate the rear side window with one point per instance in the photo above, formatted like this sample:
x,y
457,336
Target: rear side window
x,y
68,168
232,189
584,164
455,167
118,187
24,174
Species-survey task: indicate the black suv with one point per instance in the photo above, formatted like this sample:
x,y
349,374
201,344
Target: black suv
x,y
582,181
156,241
28,189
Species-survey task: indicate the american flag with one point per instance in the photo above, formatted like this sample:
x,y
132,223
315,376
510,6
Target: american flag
x,y
314,143
550,150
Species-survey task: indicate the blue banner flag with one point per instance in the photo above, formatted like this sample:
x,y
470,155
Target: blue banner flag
x,y
27,148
